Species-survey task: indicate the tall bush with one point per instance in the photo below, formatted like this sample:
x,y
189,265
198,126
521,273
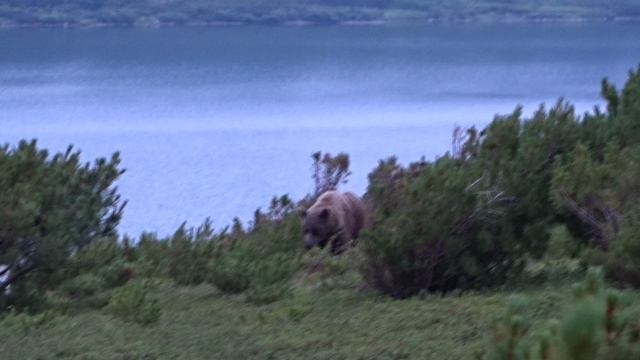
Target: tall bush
x,y
440,231
50,208
595,186
470,217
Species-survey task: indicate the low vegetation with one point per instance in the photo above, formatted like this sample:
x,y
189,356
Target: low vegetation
x,y
524,206
189,12
601,323
327,316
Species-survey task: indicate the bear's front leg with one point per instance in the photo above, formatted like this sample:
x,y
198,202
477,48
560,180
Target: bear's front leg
x,y
339,243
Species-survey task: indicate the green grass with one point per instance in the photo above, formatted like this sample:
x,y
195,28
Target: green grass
x,y
327,322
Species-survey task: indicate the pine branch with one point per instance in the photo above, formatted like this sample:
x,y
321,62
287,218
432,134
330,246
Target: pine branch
x,y
15,276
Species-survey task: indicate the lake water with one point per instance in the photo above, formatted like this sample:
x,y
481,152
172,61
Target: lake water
x,y
211,122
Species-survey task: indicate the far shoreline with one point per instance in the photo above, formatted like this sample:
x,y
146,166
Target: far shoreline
x,y
307,23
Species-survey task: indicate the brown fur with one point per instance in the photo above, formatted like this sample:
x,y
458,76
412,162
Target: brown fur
x,y
335,219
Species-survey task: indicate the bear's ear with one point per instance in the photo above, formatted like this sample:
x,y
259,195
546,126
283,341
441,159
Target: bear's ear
x,y
302,212
324,214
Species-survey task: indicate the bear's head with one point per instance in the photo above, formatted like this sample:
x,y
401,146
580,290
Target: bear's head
x,y
320,225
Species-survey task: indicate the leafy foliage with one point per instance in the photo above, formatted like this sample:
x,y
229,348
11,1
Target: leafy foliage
x,y
189,252
431,242
561,244
595,187
262,259
133,302
517,190
596,326
329,171
50,208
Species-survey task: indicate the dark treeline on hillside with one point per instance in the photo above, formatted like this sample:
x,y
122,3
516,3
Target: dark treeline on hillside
x,y
208,12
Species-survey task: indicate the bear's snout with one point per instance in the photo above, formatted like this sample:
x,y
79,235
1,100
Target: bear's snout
x,y
309,242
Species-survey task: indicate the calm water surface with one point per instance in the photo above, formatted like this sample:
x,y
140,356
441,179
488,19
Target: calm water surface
x,y
211,122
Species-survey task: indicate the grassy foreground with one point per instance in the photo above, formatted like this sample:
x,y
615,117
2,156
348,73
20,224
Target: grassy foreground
x,y
322,322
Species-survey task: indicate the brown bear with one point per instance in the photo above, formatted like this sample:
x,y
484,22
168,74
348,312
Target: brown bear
x,y
334,218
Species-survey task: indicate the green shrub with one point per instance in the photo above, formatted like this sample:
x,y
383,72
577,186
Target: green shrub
x,y
508,332
91,275
260,261
238,270
101,253
597,326
628,242
551,271
602,197
595,187
517,157
553,184
83,285
467,219
189,253
270,278
444,231
231,259
230,272
132,302
619,268
153,256
561,244
60,301
106,259
245,265
326,264
50,208
265,294
321,269
182,257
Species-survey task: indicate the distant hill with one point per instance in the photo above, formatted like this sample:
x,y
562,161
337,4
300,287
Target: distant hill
x,y
210,12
